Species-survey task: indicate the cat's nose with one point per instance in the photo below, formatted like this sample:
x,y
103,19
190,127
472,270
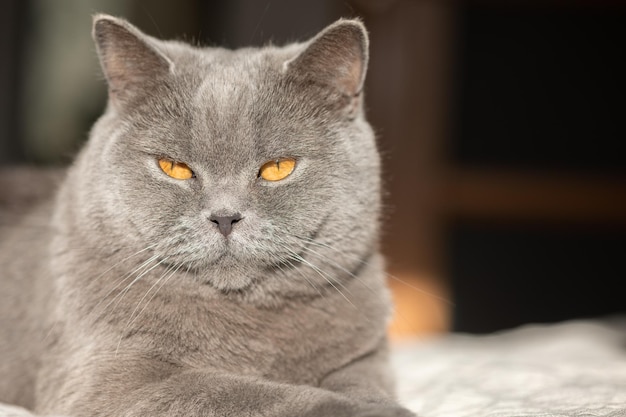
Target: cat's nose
x,y
225,223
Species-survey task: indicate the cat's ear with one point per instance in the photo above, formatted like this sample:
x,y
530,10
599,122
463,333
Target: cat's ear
x,y
337,57
130,60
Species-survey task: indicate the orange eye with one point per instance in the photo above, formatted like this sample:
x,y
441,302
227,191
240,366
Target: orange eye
x,y
278,169
176,170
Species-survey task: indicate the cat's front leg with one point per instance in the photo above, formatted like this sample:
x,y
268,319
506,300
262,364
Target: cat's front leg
x,y
213,394
367,380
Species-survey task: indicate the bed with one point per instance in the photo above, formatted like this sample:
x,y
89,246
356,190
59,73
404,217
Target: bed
x,y
575,368
570,369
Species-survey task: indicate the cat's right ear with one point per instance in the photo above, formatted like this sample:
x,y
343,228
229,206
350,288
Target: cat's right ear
x,y
129,59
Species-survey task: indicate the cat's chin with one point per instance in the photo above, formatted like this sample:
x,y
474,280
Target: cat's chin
x,y
230,282
227,275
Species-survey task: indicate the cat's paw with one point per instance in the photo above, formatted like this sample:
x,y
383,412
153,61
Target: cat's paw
x,y
329,409
371,410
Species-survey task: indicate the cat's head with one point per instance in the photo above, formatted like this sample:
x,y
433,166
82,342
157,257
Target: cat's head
x,y
234,165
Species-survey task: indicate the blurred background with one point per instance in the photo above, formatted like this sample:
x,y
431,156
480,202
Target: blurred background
x,y
501,126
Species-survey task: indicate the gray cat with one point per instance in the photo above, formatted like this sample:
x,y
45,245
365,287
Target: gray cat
x,y
213,250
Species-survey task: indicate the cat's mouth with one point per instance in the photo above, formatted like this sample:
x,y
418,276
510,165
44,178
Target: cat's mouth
x,y
227,271
235,262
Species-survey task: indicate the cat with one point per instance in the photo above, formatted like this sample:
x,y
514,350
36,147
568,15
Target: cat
x,y
213,250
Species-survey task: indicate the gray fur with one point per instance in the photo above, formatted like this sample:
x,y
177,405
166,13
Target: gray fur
x,y
119,296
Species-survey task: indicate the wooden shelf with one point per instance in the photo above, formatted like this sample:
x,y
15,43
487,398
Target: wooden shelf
x,y
511,195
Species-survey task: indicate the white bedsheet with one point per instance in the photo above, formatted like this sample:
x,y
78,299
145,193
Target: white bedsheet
x,y
570,369
573,369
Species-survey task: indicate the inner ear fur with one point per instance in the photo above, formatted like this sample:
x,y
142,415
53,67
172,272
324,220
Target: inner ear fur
x,y
337,57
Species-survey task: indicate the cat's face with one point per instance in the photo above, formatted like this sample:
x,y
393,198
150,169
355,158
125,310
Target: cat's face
x,y
234,165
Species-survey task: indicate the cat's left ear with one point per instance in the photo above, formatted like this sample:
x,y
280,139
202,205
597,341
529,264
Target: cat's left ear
x,y
130,60
336,57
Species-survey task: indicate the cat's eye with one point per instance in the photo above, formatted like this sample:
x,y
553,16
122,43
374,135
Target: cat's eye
x,y
278,169
177,170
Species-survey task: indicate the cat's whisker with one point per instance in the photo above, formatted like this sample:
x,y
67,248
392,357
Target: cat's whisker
x,y
127,288
171,270
336,265
121,281
356,258
125,277
294,257
420,290
287,260
321,273
326,259
119,296
124,260
303,275
351,274
337,281
49,332
430,296
165,277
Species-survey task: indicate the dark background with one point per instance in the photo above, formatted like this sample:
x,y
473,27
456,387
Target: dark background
x,y
501,125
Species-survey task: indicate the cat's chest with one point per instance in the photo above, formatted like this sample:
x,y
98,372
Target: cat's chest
x,y
298,344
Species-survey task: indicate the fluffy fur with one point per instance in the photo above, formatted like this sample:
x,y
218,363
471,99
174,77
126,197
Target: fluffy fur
x,y
120,296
